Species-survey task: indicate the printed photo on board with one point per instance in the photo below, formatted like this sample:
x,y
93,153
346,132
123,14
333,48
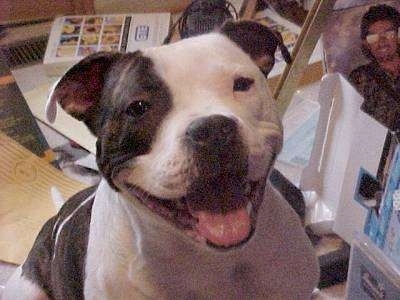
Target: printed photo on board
x,y
362,43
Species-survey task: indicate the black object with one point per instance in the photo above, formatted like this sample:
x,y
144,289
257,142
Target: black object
x,y
334,266
290,192
369,186
202,16
16,119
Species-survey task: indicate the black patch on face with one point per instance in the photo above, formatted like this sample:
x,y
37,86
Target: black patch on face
x,y
134,103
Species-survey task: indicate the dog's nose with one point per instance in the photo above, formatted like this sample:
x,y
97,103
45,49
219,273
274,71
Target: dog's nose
x,y
220,158
213,131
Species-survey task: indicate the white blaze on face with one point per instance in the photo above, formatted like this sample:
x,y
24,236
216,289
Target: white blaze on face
x,y
200,74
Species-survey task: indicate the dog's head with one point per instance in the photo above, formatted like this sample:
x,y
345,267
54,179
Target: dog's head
x,y
189,130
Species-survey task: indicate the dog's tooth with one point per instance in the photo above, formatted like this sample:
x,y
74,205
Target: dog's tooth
x,y
249,207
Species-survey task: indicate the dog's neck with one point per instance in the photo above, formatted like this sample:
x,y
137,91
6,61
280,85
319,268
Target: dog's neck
x,y
139,248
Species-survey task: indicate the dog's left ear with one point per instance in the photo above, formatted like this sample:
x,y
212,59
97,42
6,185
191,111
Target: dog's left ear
x,y
258,41
79,90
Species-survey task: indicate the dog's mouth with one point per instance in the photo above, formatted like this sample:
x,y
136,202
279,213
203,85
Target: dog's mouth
x,y
220,230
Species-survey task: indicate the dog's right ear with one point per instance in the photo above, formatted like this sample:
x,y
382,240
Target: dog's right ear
x,y
257,40
80,89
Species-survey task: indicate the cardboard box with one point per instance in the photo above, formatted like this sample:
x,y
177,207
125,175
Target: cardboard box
x,y
74,37
16,119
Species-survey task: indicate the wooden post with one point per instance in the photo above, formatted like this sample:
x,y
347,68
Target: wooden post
x,y
308,38
249,9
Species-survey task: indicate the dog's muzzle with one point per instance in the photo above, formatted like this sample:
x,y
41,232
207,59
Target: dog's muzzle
x,y
220,205
217,195
220,160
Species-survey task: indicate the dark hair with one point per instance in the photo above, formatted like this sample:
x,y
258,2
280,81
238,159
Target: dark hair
x,y
376,13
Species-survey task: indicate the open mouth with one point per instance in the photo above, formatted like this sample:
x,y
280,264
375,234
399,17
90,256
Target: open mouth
x,y
218,230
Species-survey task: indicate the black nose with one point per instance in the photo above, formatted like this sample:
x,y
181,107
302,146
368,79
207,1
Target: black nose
x,y
213,131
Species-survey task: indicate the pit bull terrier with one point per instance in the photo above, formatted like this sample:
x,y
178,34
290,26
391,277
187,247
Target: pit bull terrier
x,y
187,134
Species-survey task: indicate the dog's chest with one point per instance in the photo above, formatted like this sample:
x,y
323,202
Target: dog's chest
x,y
140,259
156,274
133,256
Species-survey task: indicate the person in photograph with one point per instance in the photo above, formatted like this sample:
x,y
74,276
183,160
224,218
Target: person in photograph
x,y
379,80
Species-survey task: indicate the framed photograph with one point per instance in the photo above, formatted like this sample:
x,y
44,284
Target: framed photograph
x,y
341,37
362,42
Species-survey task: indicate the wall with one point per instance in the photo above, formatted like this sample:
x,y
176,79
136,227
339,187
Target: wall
x,y
24,10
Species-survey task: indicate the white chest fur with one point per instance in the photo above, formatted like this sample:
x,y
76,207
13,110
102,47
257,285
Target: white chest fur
x,y
132,256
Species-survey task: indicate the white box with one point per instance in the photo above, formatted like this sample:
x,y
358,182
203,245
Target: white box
x,y
346,140
74,37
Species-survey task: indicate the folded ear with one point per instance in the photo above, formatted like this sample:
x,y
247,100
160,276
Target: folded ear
x,y
79,90
258,41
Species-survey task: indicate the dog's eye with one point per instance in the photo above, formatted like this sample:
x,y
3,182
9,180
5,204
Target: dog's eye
x,y
137,108
242,84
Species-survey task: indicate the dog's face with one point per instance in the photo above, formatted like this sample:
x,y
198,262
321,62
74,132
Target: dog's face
x,y
188,129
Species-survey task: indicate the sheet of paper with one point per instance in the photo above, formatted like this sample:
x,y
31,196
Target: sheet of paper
x,y
25,200
64,124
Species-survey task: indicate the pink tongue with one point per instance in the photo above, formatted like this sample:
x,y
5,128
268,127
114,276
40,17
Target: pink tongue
x,y
224,230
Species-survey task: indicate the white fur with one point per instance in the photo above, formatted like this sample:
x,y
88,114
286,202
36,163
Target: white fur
x,y
51,105
20,288
65,221
120,251
57,198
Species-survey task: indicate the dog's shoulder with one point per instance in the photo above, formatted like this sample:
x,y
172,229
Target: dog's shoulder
x,y
62,239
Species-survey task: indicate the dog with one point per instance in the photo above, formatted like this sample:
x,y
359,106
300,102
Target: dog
x,y
187,134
